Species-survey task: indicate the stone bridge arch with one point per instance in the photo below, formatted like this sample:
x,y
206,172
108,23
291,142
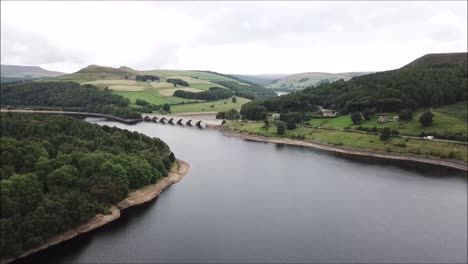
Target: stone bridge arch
x,y
163,120
155,119
201,124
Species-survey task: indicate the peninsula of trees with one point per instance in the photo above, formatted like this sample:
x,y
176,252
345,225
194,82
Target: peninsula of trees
x,y
58,172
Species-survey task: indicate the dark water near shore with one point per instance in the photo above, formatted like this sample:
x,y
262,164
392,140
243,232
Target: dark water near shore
x,y
256,202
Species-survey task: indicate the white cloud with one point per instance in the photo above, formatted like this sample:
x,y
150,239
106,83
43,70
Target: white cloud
x,y
230,37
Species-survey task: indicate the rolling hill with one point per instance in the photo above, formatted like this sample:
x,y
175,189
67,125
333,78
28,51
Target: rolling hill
x,y
261,79
439,60
17,71
306,79
431,81
122,81
96,72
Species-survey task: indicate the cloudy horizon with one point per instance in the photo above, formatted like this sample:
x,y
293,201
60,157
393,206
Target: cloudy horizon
x,y
230,37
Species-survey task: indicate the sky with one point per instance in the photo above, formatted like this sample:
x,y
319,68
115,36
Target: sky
x,y
230,37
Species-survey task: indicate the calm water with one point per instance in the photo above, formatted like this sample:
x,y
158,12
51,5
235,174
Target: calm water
x,y
255,202
279,93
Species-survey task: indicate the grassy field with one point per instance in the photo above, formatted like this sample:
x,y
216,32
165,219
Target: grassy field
x,y
170,92
113,82
458,110
192,74
153,97
442,123
359,140
206,106
447,119
126,88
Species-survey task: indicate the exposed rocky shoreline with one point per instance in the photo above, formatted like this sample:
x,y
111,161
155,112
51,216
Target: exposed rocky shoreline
x,y
140,196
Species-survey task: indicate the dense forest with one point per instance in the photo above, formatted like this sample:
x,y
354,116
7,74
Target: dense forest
x,y
57,172
390,91
395,90
293,102
66,95
176,82
249,91
144,78
214,93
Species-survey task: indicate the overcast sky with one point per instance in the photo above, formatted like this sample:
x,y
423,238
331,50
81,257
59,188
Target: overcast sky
x,y
230,37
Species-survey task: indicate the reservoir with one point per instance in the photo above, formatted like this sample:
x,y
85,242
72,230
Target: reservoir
x,y
250,202
279,93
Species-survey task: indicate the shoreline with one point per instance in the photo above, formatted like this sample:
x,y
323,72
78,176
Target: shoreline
x,y
453,164
137,197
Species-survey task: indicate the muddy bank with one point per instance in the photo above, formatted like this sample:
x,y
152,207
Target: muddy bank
x,y
140,196
453,164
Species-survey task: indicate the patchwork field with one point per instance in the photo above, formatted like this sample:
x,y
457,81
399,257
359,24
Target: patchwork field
x,y
154,97
213,106
113,82
161,85
207,76
122,81
170,92
128,88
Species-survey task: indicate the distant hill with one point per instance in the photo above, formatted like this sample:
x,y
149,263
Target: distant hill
x,y
261,79
430,81
440,60
96,72
22,72
306,79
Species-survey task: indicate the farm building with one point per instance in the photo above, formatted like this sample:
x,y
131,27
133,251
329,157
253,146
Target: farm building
x,y
383,118
276,116
328,113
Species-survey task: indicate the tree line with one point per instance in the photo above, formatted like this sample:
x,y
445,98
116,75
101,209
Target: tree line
x,y
144,78
292,102
214,93
176,82
57,172
392,91
85,98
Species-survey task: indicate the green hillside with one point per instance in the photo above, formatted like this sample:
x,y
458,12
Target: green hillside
x,y
440,60
122,81
306,79
390,91
261,79
441,88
